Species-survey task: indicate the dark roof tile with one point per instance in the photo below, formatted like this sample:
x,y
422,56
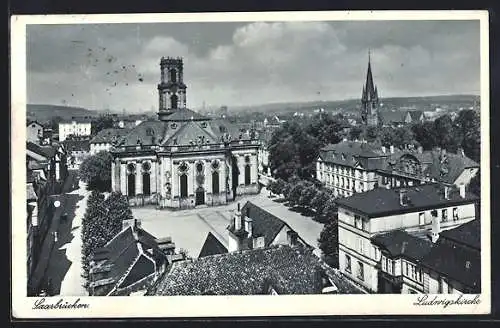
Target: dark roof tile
x,y
212,246
402,244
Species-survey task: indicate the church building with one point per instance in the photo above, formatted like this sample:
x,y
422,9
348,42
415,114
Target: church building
x,y
369,99
183,159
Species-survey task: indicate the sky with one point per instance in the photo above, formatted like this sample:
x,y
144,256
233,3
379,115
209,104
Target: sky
x,y
116,66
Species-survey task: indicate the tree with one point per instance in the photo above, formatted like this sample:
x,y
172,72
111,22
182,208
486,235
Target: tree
x,y
330,211
295,193
95,170
307,195
425,135
328,243
101,223
319,201
447,137
101,123
475,184
468,127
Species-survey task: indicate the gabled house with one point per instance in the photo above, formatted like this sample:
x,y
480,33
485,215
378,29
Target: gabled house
x,y
130,262
34,132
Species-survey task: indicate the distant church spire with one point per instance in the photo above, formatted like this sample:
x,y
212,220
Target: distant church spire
x,y
369,98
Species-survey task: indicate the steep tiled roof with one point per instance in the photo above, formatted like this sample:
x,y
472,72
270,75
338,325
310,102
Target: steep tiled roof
x,y
401,244
47,152
458,263
348,153
190,132
380,201
109,135
212,246
468,234
127,258
289,270
393,116
415,114
451,168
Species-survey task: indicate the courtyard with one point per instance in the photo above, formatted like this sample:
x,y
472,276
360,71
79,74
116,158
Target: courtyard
x,y
189,228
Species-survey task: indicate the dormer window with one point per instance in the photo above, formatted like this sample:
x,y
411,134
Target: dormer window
x,y
173,126
203,124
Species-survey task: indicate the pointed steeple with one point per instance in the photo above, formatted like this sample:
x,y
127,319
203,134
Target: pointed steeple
x,y
369,86
369,98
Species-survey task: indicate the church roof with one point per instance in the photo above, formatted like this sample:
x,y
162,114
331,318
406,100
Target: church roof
x,y
185,114
108,135
192,132
146,133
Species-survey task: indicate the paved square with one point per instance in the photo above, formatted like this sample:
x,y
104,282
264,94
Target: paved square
x,y
189,228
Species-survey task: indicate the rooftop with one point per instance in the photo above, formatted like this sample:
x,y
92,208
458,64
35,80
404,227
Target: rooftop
x,y
382,202
288,270
212,246
109,135
399,243
468,234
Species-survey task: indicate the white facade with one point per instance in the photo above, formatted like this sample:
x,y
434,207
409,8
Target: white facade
x,y
74,128
345,180
96,147
355,232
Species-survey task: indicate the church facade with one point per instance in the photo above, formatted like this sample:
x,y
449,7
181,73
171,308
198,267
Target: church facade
x,y
183,159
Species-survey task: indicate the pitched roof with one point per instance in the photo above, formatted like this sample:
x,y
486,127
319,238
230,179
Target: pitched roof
x,y
147,132
399,243
468,234
416,114
212,246
125,259
449,170
289,270
392,116
109,135
348,153
77,145
45,151
458,263
190,132
185,114
264,224
33,122
381,201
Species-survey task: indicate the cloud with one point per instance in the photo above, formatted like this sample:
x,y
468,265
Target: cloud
x,y
98,66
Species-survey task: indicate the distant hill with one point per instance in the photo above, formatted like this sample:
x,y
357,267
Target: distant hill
x,y
44,113
351,105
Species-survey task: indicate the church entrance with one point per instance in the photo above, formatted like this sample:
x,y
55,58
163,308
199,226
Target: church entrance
x,y
200,196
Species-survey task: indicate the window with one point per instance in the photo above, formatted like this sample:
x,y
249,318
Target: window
x,y
361,271
131,184
348,263
247,174
184,185
455,214
444,215
364,225
173,76
384,264
440,285
389,265
421,218
405,269
450,289
146,182
174,100
360,245
215,182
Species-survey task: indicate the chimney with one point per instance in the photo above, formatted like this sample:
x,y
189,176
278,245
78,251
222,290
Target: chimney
x,y
420,149
462,190
403,198
237,219
446,192
436,226
383,149
392,149
248,226
292,237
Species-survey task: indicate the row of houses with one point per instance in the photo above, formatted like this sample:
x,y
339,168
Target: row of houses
x,y
46,172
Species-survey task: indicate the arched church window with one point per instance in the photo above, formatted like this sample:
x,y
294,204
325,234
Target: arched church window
x,y
215,182
174,101
247,174
146,179
184,185
173,76
131,180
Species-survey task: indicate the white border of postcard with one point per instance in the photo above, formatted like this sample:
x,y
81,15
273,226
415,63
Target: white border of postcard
x,y
217,306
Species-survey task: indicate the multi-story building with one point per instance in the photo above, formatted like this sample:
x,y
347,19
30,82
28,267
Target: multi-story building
x,y
105,139
350,167
34,132
183,159
423,210
75,127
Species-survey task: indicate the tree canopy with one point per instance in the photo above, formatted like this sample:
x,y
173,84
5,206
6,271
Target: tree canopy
x,y
102,122
95,170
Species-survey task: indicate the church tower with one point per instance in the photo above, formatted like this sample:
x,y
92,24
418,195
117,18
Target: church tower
x,y
369,99
171,89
